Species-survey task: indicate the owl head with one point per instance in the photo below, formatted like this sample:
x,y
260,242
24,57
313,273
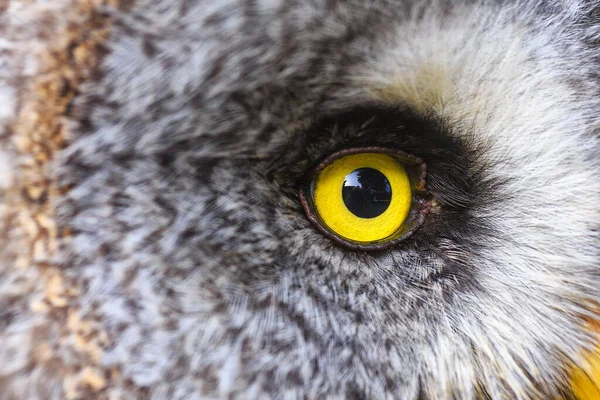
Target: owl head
x,y
299,199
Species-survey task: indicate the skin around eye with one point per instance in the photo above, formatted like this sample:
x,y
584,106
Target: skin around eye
x,y
363,197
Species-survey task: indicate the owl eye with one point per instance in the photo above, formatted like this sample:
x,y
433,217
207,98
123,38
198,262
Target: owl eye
x,y
367,198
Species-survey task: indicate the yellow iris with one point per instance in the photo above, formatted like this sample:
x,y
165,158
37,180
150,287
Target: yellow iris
x,y
332,207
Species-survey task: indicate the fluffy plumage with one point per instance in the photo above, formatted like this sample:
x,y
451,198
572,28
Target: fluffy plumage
x,y
184,266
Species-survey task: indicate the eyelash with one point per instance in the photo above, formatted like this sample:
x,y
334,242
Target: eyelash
x,y
416,171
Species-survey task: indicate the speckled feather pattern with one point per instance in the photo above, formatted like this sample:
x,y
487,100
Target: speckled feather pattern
x,y
192,269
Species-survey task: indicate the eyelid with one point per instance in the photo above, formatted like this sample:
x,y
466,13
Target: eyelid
x,y
420,205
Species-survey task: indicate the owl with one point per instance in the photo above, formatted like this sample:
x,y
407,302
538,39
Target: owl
x,y
299,199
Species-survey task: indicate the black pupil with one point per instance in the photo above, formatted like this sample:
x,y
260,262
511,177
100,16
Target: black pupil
x,y
366,192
